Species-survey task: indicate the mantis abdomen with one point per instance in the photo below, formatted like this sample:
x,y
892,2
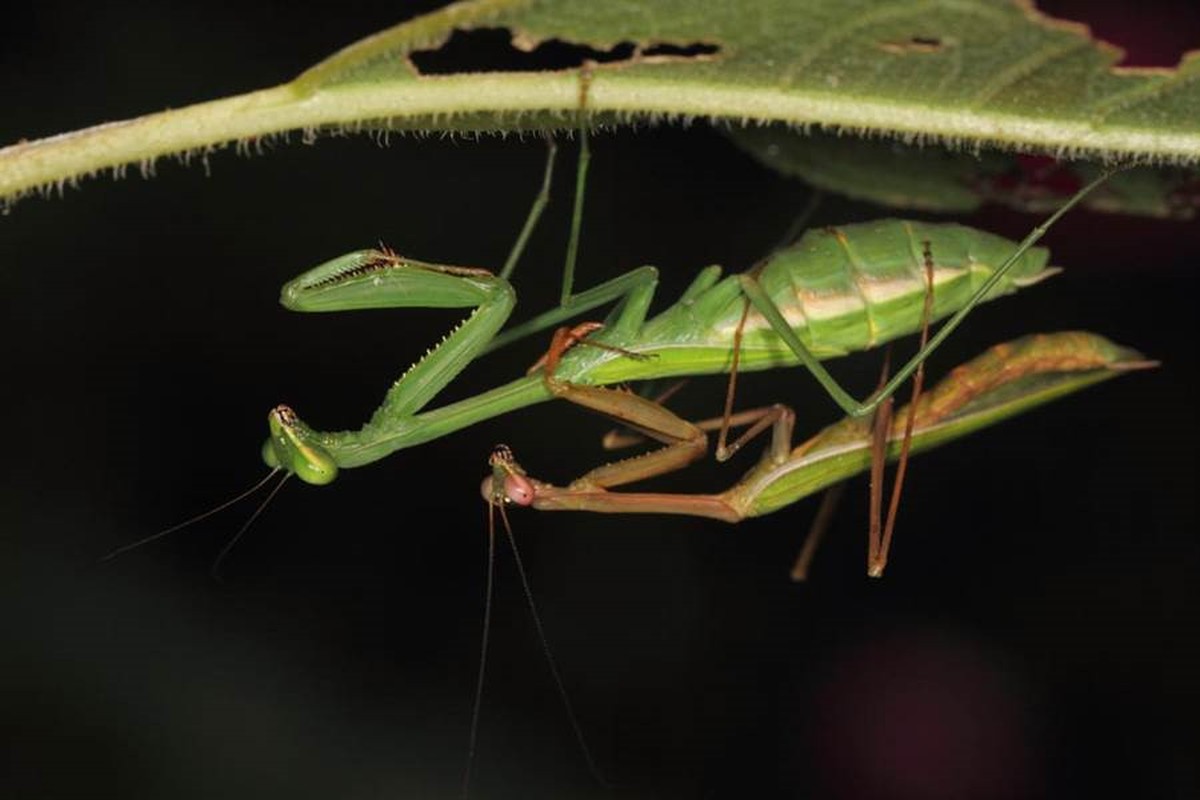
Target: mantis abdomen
x,y
841,290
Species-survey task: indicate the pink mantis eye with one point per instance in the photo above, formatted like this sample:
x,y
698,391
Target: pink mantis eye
x,y
518,489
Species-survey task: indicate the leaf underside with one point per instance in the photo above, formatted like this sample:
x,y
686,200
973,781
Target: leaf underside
x,y
933,179
970,74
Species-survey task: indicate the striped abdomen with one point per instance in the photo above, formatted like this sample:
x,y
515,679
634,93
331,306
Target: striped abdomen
x,y
856,286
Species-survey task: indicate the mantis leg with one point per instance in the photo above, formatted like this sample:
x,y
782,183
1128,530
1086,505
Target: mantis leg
x,y
855,408
641,279
778,417
632,283
881,426
535,212
639,284
581,168
881,541
683,442
377,279
879,532
383,279
816,531
543,197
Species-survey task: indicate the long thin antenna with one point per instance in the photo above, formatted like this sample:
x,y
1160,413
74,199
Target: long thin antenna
x,y
483,648
215,572
197,518
541,632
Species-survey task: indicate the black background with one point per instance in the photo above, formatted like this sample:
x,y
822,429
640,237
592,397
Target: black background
x,y
1034,636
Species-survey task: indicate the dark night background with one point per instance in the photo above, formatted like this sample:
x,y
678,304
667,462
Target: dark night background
x,y
1035,635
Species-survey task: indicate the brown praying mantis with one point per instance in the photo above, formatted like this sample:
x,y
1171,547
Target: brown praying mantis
x,y
1006,380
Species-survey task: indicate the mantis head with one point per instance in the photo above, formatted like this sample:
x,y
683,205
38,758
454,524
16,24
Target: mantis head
x,y
507,483
293,447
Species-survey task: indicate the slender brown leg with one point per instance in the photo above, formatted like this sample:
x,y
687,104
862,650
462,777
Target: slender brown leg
x,y
566,338
617,439
879,562
881,425
778,417
816,532
684,442
620,438
723,452
598,501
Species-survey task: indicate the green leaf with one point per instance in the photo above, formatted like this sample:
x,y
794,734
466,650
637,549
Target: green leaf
x,y
973,73
895,174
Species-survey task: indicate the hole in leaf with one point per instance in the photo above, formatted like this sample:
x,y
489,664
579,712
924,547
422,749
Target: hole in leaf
x,y
693,50
913,44
492,50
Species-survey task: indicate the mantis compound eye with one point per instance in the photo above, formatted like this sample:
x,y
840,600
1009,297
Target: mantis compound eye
x,y
518,489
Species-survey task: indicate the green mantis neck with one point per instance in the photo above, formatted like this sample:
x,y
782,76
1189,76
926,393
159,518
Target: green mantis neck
x,y
375,440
